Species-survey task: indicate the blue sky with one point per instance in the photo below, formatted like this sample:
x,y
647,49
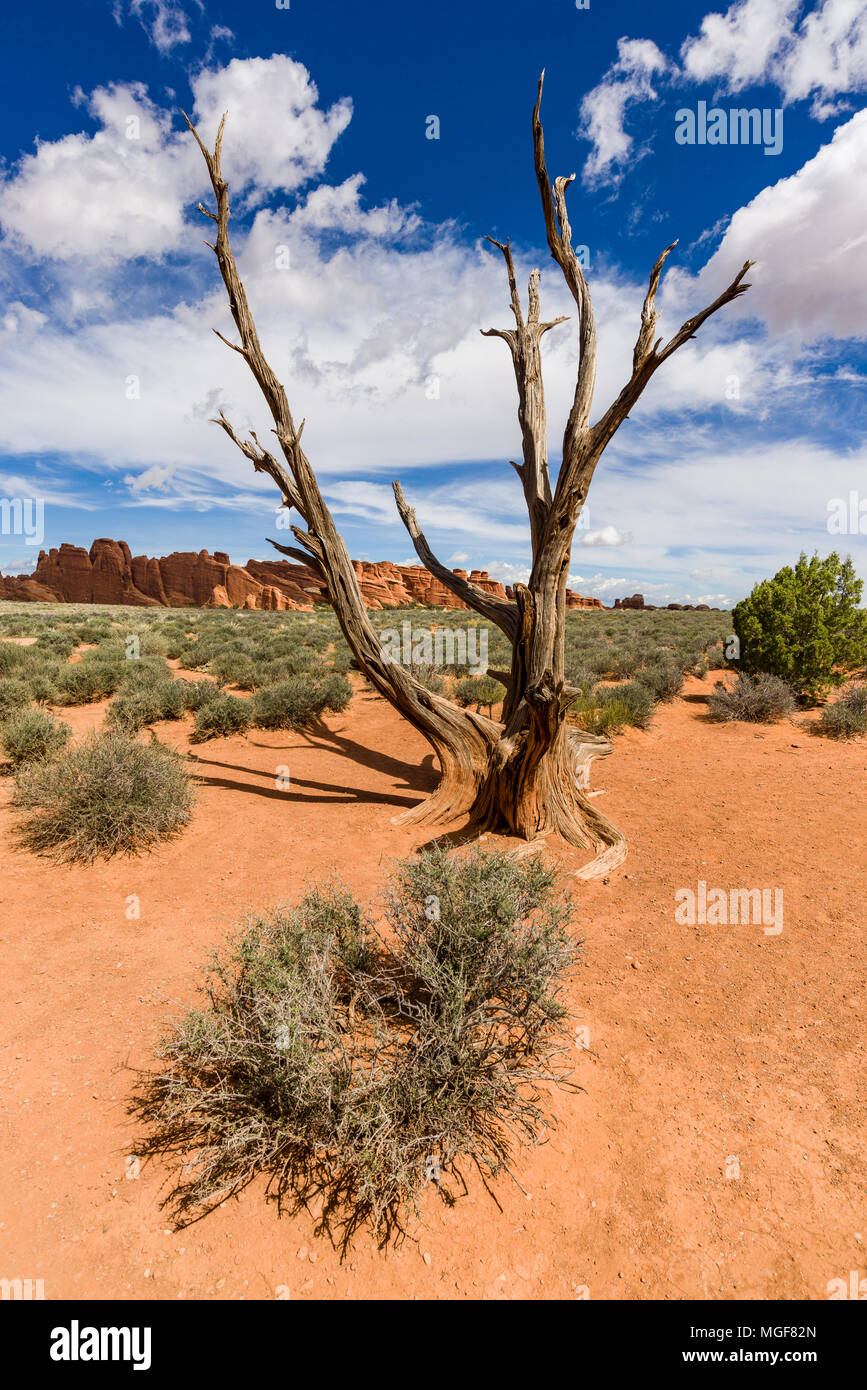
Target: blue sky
x,y
361,244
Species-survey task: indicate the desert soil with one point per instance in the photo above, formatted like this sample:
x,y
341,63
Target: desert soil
x,y
716,1150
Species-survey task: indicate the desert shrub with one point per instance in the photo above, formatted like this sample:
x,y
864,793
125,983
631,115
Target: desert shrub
x,y
716,658
87,681
300,701
232,668
42,683
222,716
341,657
93,630
804,625
599,660
428,674
253,675
761,699
32,734
582,679
188,652
847,717
137,673
133,710
478,691
56,643
664,680
11,657
14,694
606,709
337,1062
108,795
197,693
292,659
624,664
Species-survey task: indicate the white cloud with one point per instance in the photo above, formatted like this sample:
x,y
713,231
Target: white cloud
x,y
808,236
740,44
735,513
20,321
124,191
276,136
607,536
830,56
824,55
164,21
159,475
507,572
330,207
117,193
603,110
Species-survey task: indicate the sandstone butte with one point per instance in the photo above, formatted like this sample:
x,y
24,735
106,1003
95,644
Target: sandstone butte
x,y
109,573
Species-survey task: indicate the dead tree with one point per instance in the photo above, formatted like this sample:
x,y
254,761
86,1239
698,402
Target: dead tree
x,y
528,774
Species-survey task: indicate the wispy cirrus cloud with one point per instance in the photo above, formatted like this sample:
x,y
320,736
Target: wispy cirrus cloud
x,y
166,22
627,82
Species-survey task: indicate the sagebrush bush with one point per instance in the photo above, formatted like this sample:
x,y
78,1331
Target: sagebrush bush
x,y
42,682
605,709
663,679
105,796
582,679
14,694
137,673
134,709
57,643
479,691
11,656
428,674
600,660
761,699
32,734
221,716
233,668
85,682
197,693
716,658
299,701
847,717
358,1067
624,664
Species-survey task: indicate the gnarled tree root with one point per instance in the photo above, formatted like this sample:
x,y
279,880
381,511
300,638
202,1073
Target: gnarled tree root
x,y
488,789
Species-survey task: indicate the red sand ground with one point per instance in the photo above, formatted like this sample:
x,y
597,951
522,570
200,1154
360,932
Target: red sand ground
x,y
706,1043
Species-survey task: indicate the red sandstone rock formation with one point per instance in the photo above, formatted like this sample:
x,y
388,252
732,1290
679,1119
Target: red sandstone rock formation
x,y
108,573
579,601
26,590
636,601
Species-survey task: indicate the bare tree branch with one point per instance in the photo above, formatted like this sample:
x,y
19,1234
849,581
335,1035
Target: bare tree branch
x,y
559,234
304,556
500,611
263,462
461,739
523,341
647,356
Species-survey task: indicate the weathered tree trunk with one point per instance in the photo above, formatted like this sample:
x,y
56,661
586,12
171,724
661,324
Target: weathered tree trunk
x,y
527,775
